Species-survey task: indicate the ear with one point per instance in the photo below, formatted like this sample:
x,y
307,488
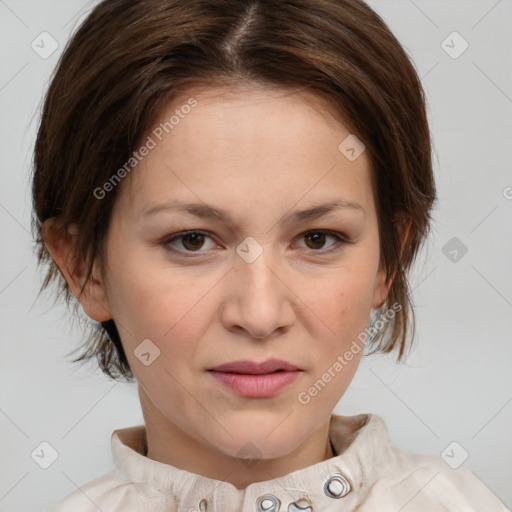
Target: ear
x,y
60,242
381,285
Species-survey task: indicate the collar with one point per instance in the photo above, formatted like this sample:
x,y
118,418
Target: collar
x,y
359,441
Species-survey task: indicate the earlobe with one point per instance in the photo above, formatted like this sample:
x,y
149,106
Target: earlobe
x,y
381,289
382,286
60,243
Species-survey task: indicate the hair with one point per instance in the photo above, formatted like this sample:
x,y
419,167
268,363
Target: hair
x,y
130,58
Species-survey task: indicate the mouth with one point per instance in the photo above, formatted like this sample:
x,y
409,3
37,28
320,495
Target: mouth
x,y
254,373
256,380
248,367
262,385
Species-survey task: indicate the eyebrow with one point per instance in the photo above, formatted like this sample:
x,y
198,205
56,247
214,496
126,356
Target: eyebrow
x,y
206,211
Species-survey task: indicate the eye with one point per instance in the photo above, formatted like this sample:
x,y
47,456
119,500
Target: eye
x,y
316,239
194,241
191,241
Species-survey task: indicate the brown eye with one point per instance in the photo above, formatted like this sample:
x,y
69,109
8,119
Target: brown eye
x,y
188,241
193,241
316,239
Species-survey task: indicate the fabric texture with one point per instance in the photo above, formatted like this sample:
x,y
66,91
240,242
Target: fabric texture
x,y
366,474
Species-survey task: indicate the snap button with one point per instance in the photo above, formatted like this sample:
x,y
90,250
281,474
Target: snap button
x,y
267,503
302,505
337,486
202,506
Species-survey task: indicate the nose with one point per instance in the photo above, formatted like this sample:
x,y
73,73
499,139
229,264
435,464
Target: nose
x,y
258,301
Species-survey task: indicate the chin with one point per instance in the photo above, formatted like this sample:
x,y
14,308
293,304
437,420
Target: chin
x,y
266,442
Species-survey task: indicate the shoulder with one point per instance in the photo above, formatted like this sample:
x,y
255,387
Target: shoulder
x,y
420,481
105,492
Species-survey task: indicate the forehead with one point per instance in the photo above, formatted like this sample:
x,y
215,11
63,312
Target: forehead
x,y
249,142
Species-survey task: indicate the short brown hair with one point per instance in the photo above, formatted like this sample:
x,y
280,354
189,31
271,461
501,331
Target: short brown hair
x,y
131,57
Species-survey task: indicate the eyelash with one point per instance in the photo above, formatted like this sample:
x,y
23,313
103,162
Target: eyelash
x,y
341,240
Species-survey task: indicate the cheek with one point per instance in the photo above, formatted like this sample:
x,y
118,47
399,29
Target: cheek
x,y
341,299
159,303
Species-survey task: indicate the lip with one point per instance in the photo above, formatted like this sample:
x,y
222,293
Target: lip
x,y
256,380
256,385
255,368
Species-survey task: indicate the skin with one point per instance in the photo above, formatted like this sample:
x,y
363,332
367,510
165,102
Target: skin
x,y
259,154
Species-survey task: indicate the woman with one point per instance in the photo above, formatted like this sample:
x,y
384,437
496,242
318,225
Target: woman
x,y
231,189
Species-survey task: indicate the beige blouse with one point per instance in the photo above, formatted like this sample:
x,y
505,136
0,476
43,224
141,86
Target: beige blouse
x,y
367,474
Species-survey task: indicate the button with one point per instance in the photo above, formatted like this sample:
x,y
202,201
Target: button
x,y
337,486
202,506
267,503
302,505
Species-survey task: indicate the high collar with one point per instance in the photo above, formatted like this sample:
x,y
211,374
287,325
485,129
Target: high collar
x,y
360,442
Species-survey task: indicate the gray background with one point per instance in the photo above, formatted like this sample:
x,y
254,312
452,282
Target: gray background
x,y
457,384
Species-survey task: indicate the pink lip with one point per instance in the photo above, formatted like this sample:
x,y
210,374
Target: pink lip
x,y
255,368
257,380
256,386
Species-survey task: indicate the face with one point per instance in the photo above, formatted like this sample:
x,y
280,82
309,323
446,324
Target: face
x,y
253,279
